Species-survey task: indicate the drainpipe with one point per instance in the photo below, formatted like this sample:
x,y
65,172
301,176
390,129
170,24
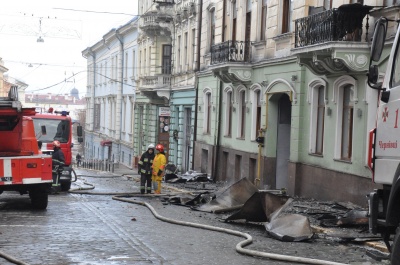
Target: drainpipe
x,y
196,104
92,98
119,94
218,125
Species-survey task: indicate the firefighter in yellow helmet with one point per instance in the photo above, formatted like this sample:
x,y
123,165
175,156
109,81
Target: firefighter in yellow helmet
x,y
159,163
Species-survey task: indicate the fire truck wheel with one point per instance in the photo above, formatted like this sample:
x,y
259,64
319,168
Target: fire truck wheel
x,y
39,199
395,256
65,186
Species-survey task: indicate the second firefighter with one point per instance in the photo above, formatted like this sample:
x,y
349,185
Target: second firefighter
x,y
145,169
158,168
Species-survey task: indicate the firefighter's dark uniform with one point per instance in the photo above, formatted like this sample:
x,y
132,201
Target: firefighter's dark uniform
x,y
58,161
144,169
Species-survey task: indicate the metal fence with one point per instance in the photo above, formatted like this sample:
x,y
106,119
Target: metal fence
x,y
331,25
230,51
95,164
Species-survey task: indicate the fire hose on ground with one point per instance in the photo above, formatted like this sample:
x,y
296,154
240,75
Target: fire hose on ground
x,y
12,259
239,247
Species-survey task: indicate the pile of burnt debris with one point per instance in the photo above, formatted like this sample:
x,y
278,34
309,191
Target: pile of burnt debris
x,y
285,218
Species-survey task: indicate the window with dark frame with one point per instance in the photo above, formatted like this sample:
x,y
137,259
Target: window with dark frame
x,y
209,109
258,112
229,113
212,27
287,16
178,54
166,59
319,141
194,48
242,114
347,124
185,51
234,20
263,34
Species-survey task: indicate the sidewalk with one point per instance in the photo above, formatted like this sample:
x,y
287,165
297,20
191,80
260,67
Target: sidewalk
x,y
124,170
118,169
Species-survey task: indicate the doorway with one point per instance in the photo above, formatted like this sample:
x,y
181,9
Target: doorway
x,y
163,129
283,141
187,147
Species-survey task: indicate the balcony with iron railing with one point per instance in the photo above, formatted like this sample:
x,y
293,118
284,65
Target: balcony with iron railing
x,y
339,24
334,41
230,61
230,51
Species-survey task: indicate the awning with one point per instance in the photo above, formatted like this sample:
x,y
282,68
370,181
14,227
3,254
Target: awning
x,y
106,143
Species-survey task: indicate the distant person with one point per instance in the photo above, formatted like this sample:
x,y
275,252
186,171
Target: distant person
x,y
159,164
144,169
78,159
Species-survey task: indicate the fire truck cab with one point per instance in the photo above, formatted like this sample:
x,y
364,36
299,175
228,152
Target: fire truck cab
x,y
58,126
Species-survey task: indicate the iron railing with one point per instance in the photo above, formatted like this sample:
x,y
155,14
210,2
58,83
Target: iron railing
x,y
330,25
230,51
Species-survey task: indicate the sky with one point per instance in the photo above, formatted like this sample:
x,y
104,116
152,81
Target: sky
x,y
56,65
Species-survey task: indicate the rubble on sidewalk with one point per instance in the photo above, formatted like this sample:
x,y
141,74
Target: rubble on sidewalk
x,y
230,197
171,175
300,219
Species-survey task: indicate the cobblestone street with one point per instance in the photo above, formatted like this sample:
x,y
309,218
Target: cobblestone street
x,y
96,229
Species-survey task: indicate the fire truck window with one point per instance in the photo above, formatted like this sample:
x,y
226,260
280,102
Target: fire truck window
x,y
8,123
55,130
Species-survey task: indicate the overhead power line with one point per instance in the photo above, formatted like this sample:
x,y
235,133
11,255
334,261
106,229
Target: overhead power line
x,y
91,11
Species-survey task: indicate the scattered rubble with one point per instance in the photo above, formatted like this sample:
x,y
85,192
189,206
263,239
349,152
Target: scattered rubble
x,y
284,218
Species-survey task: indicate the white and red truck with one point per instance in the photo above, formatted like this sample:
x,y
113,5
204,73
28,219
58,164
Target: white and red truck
x,y
384,143
23,167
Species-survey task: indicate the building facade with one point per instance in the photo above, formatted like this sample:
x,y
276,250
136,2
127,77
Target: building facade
x,y
183,81
283,97
154,75
111,94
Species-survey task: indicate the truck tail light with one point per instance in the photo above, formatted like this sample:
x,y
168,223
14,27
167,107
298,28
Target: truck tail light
x,y
31,165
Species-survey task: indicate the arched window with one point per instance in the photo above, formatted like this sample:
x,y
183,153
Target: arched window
x,y
242,114
207,112
345,96
319,121
347,123
228,112
255,111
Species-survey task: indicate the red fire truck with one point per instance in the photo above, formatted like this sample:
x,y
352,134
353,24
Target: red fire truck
x,y
23,168
58,126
